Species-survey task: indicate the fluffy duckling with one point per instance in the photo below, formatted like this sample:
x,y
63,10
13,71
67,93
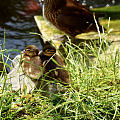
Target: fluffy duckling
x,y
54,64
31,62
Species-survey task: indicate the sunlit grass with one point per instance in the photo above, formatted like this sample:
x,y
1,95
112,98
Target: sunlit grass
x,y
94,92
114,24
111,11
108,9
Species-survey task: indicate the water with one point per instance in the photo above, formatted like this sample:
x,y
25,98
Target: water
x,y
100,3
17,21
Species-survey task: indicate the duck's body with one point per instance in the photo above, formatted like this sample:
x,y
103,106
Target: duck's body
x,y
55,67
32,64
69,16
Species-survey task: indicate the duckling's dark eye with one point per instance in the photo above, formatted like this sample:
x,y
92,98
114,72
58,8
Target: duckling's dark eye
x,y
47,50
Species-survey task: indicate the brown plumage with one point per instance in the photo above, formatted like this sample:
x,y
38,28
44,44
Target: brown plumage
x,y
31,62
69,16
55,67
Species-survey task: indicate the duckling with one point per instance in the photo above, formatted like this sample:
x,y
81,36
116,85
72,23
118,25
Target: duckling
x,y
31,62
54,64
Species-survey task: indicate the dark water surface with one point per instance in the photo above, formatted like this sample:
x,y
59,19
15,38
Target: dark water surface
x,y
100,3
17,21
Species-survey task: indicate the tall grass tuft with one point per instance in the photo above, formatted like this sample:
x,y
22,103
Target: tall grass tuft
x,y
7,96
94,92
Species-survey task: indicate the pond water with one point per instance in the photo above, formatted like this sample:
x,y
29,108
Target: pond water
x,y
100,3
17,21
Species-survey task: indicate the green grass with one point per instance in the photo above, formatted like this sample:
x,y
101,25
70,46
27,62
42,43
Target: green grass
x,y
108,9
114,24
94,92
113,11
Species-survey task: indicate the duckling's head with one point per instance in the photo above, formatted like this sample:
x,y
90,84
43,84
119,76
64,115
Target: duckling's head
x,y
48,49
31,51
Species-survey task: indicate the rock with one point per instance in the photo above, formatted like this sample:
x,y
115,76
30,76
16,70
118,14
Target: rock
x,y
17,79
49,32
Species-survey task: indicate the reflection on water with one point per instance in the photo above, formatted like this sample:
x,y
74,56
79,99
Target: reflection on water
x,y
17,20
99,3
